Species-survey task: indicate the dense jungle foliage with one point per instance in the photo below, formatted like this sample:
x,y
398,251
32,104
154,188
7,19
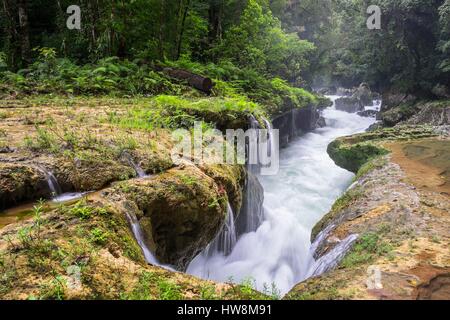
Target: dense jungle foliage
x,y
259,48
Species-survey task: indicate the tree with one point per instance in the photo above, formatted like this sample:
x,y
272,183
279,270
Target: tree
x,y
22,6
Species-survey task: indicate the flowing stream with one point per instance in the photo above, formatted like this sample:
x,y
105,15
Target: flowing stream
x,y
279,251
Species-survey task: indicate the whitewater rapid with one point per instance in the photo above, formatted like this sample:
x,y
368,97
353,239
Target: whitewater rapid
x,y
308,183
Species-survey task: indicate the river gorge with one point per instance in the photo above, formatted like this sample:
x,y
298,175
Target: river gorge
x,y
279,253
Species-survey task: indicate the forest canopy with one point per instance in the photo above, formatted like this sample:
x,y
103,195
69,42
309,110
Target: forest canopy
x,y
303,43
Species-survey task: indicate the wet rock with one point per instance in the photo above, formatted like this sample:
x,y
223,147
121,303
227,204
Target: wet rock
x,y
321,123
296,122
345,92
180,212
94,174
368,113
329,91
353,156
376,126
20,183
364,95
441,91
6,150
435,114
349,104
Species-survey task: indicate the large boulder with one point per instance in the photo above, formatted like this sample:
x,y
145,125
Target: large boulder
x,y
329,91
180,212
345,92
349,104
368,113
364,95
433,113
296,122
20,183
407,109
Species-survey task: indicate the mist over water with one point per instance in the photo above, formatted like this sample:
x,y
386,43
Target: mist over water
x,y
304,190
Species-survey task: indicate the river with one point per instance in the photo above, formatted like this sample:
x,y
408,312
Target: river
x,y
278,253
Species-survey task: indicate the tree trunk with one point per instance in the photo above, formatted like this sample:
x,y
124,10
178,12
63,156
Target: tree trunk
x,y
215,20
13,48
161,30
24,31
194,80
181,30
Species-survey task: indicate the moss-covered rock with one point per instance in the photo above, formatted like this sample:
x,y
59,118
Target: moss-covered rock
x,y
349,104
91,174
87,251
353,156
180,211
20,183
231,179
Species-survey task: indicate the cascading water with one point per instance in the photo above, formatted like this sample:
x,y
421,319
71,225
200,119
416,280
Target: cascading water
x,y
332,258
53,184
139,236
279,251
225,240
139,171
252,212
70,196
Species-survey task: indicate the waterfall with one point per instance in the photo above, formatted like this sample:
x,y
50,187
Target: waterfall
x,y
271,142
139,171
221,246
331,259
139,236
274,245
66,197
226,239
52,182
252,212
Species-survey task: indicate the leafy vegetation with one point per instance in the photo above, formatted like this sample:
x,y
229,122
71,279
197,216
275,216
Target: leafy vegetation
x,y
367,248
250,58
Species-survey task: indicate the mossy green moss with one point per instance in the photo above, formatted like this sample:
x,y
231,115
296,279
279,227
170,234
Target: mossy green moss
x,y
180,211
353,156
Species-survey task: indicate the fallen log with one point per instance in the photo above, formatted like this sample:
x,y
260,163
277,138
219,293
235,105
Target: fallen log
x,y
194,80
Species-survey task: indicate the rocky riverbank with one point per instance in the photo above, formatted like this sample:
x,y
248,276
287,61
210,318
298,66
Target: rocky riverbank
x,y
398,209
115,155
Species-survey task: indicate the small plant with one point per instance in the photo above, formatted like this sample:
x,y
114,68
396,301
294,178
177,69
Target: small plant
x,y
82,210
188,180
38,209
436,239
142,290
272,292
248,286
99,236
208,292
45,140
367,248
53,290
25,236
168,290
